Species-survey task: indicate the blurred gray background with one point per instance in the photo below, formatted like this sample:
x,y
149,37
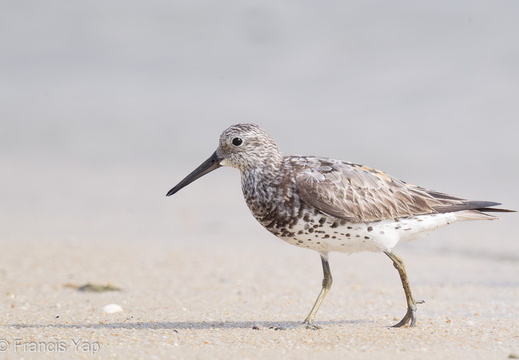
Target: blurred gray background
x,y
104,106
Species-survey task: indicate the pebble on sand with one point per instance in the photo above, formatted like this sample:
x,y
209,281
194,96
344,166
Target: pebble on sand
x,y
112,308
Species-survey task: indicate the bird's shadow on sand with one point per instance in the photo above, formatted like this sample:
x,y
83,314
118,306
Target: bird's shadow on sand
x,y
190,325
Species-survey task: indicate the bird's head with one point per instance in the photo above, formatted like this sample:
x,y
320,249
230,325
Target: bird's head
x,y
242,146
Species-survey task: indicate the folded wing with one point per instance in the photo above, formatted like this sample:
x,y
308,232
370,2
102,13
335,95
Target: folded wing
x,y
360,194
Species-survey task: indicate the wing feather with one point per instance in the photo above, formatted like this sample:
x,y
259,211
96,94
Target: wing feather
x,y
360,194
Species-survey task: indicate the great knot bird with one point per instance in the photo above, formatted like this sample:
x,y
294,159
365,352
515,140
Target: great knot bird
x,y
332,205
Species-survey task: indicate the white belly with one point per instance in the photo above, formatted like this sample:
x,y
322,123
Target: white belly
x,y
328,234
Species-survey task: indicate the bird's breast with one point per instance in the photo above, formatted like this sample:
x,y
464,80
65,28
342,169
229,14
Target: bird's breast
x,y
274,202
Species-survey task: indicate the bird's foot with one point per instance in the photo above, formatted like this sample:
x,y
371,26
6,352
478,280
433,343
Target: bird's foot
x,y
410,316
309,326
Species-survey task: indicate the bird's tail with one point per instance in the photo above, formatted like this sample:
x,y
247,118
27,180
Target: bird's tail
x,y
477,210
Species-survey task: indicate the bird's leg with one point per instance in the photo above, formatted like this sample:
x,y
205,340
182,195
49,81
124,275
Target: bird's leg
x,y
327,284
410,316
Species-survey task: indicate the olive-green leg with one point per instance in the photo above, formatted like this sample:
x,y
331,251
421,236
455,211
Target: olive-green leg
x,y
410,317
327,284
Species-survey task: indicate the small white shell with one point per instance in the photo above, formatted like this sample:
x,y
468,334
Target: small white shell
x,y
112,308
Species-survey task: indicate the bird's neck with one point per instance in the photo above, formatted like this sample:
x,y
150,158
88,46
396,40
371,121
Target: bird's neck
x,y
259,183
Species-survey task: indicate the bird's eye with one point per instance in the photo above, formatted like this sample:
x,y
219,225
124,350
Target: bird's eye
x,y
237,141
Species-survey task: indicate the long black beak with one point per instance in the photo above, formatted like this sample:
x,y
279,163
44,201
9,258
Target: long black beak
x,y
207,166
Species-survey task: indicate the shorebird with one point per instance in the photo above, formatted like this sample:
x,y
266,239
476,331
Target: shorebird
x,y
332,205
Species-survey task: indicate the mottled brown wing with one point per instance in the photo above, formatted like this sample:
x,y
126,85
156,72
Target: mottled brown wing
x,y
361,194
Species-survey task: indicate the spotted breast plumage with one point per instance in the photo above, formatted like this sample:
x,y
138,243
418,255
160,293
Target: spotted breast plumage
x,y
332,205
